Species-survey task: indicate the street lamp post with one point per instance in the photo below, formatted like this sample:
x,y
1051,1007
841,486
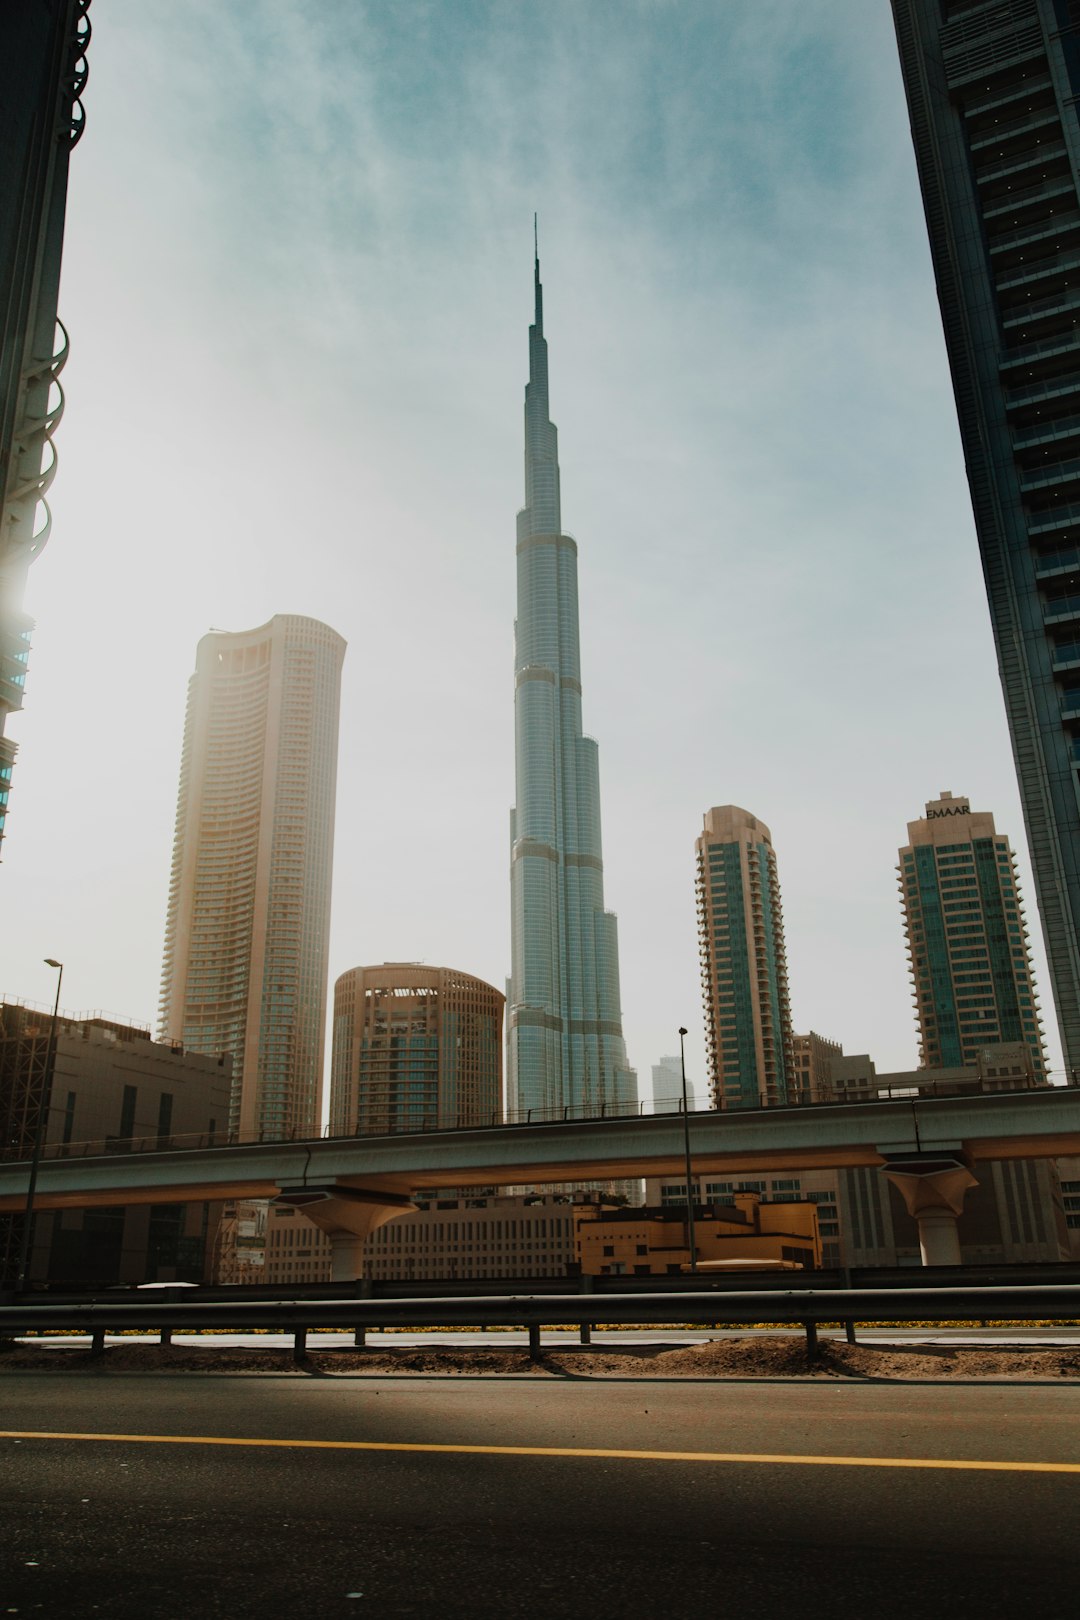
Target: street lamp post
x,y
686,1142
39,1132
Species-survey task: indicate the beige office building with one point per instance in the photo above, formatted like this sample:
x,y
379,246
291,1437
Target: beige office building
x,y
113,1090
247,936
812,1058
743,962
534,1235
415,1048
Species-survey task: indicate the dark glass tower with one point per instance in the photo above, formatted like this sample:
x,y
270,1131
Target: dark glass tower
x,y
566,1049
991,93
42,73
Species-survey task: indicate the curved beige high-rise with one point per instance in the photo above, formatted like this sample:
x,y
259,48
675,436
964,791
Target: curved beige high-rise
x,y
247,938
415,1048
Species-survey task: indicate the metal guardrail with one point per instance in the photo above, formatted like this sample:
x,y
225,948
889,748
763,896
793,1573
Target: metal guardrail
x,y
1057,1273
802,1306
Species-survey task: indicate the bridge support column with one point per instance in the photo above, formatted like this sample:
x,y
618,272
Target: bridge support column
x,y
933,1189
347,1215
346,1255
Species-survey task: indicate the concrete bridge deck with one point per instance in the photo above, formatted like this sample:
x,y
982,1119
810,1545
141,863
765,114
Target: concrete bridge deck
x,y
350,1185
1012,1125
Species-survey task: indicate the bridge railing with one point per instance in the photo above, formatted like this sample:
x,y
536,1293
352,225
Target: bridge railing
x,y
804,1307
470,1120
407,1125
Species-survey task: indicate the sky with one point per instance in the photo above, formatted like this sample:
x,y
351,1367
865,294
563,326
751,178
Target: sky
x,y
298,282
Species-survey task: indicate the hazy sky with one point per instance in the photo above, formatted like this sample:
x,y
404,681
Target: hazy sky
x,y
298,280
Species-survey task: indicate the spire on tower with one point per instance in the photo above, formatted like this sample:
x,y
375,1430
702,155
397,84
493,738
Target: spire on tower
x,y
539,317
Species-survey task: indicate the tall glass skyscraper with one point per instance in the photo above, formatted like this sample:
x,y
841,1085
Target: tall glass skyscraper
x,y
992,96
565,1040
248,932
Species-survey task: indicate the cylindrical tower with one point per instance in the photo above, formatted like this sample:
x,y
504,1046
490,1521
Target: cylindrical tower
x,y
414,1048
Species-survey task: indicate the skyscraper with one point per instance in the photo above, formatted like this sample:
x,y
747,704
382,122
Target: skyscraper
x,y
565,1039
967,940
42,74
991,93
247,936
667,1087
415,1048
744,982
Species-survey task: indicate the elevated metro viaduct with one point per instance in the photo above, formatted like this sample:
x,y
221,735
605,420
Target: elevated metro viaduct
x,y
930,1148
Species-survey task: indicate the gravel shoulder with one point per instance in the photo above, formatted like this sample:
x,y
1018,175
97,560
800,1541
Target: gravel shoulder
x,y
759,1356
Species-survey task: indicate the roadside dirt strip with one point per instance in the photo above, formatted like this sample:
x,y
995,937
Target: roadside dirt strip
x,y
757,1357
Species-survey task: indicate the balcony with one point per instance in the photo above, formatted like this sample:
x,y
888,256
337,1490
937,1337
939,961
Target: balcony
x,y
1066,655
1063,427
1052,563
1035,157
1015,202
1033,310
1025,90
1046,519
1032,275
1062,608
1051,474
1044,392
1024,353
1064,223
1039,118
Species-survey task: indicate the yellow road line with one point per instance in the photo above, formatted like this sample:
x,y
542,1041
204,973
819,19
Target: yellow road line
x,y
557,1451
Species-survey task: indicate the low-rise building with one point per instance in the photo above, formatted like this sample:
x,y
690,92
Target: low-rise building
x,y
1069,1171
112,1089
1008,1066
534,1235
812,1060
472,1236
817,1187
654,1242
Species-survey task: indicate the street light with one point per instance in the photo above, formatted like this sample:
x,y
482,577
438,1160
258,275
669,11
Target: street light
x,y
39,1131
686,1142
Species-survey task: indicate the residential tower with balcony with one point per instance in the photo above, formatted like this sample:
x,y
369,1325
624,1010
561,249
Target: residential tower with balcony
x,y
744,980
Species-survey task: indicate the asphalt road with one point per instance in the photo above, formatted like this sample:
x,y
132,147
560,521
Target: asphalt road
x,y
420,1498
